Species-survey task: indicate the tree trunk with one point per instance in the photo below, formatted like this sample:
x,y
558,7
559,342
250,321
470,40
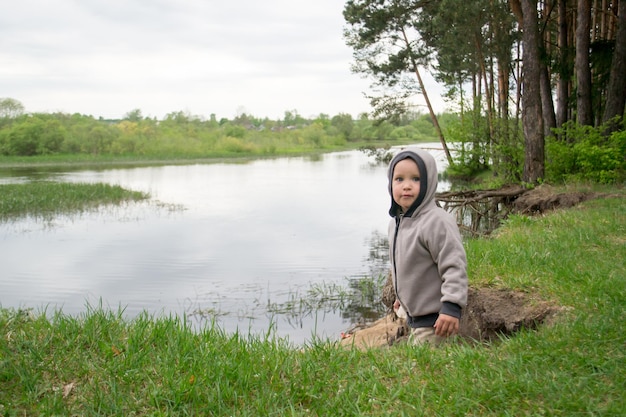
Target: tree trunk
x,y
483,70
503,87
433,116
476,111
562,89
503,94
583,71
532,117
547,105
616,100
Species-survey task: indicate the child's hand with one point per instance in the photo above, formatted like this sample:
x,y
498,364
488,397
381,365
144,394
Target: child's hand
x,y
446,325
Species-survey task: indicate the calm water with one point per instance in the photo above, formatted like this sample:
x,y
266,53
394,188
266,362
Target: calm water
x,y
216,241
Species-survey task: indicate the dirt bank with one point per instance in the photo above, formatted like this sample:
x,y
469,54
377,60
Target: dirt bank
x,y
490,314
544,198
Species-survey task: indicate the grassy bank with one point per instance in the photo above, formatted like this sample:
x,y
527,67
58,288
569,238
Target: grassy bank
x,y
77,160
46,199
100,364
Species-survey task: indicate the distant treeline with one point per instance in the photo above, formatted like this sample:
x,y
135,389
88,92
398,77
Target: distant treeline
x,y
573,152
181,134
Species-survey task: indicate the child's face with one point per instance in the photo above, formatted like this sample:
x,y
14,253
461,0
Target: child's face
x,y
405,186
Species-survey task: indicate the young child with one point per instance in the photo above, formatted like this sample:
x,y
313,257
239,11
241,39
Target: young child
x,y
428,261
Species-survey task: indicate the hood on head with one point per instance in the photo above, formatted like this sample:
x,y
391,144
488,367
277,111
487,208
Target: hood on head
x,y
428,178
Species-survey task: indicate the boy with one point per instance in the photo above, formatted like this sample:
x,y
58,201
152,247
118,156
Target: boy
x,y
427,256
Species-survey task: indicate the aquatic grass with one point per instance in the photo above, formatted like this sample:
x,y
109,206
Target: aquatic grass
x,y
47,199
99,363
358,299
360,293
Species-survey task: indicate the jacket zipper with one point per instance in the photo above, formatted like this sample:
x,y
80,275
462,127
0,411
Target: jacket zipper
x,y
395,270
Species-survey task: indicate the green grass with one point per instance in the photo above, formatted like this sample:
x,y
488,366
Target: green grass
x,y
100,364
47,199
79,160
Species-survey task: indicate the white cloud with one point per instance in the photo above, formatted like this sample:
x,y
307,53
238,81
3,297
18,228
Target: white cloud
x,y
106,58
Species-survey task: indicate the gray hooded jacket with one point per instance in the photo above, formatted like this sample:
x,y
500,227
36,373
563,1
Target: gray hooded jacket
x,y
429,264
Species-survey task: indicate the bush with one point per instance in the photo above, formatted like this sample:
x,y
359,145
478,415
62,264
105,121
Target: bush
x,y
229,144
32,135
51,138
22,138
585,153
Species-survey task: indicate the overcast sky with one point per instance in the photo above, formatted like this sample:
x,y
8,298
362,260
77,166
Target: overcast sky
x,y
107,57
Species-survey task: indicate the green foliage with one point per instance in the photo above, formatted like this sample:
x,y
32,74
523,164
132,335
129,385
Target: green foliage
x,y
182,135
99,140
235,131
134,115
230,145
387,49
471,155
10,109
585,153
477,150
424,125
344,124
32,135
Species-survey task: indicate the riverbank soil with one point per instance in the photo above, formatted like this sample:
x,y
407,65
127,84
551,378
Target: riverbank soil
x,y
544,198
490,313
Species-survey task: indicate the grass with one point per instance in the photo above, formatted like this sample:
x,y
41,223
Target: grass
x,y
100,364
47,199
79,160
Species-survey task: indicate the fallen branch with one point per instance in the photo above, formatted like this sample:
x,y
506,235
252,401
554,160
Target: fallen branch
x,y
478,195
479,211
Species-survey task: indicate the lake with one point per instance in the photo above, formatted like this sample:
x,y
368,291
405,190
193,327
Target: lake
x,y
238,243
